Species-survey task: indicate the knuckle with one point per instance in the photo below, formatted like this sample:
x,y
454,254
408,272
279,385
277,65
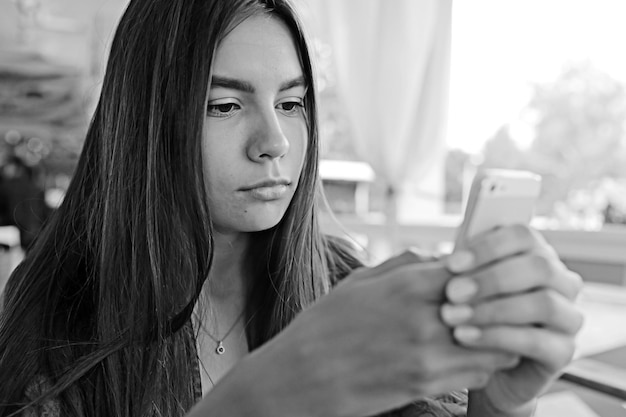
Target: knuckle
x,y
410,255
522,233
535,344
579,321
541,266
559,352
485,313
549,303
491,282
569,349
577,281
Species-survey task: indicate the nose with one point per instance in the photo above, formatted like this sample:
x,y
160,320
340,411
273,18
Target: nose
x,y
267,140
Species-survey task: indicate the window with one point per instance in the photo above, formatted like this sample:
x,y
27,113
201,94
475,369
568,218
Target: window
x,y
541,85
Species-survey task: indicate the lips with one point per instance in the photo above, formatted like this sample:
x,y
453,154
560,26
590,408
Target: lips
x,y
266,183
267,190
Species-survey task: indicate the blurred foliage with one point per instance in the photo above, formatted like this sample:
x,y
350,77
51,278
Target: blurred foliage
x,y
579,129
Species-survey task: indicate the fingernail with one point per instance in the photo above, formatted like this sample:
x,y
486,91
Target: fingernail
x,y
460,261
460,290
456,314
467,334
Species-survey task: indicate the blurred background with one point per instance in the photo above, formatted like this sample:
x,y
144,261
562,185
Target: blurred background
x,y
415,96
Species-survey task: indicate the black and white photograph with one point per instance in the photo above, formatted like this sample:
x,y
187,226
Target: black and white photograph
x,y
312,208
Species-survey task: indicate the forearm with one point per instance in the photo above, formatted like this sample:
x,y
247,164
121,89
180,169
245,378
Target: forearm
x,y
479,406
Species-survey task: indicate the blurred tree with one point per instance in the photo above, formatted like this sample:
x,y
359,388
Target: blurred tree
x,y
501,151
579,130
579,125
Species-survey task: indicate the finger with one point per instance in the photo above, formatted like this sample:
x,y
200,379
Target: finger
x,y
462,369
544,307
492,245
552,349
455,358
431,362
515,274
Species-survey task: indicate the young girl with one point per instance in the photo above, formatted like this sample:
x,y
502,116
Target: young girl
x,y
185,272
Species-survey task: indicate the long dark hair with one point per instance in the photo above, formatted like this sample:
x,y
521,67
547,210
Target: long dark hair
x,y
101,302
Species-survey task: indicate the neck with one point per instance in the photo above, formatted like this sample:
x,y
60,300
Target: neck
x,y
227,278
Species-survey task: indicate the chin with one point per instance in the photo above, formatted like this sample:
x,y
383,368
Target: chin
x,y
262,218
257,225
252,218
257,222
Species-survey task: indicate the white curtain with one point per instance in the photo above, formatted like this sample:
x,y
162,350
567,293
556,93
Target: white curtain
x,y
392,59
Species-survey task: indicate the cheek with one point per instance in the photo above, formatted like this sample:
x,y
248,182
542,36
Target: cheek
x,y
218,151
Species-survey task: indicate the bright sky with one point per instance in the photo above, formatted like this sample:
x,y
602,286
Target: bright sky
x,y
500,47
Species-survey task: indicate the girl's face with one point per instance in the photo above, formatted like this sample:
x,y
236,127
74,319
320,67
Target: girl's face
x,y
255,137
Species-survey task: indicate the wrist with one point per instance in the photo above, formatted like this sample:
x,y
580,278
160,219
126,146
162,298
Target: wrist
x,y
481,406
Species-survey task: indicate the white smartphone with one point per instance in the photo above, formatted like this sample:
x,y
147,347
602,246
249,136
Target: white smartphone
x,y
498,197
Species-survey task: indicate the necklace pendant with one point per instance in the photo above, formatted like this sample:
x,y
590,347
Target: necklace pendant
x,y
220,348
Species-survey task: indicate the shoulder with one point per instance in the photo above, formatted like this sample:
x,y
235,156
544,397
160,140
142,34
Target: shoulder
x,y
47,408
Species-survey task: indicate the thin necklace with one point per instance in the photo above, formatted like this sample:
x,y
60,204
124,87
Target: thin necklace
x,y
207,373
219,348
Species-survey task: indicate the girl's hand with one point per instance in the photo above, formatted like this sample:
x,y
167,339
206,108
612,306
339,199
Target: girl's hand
x,y
513,294
376,342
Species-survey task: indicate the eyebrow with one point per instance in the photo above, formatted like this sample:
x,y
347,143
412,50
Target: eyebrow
x,y
244,86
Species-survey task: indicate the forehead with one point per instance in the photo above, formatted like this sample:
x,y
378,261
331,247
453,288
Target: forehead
x,y
261,48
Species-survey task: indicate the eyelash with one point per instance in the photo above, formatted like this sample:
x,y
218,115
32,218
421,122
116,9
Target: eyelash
x,y
227,109
297,107
214,109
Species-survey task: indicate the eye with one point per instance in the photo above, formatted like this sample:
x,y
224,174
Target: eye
x,y
291,107
222,110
